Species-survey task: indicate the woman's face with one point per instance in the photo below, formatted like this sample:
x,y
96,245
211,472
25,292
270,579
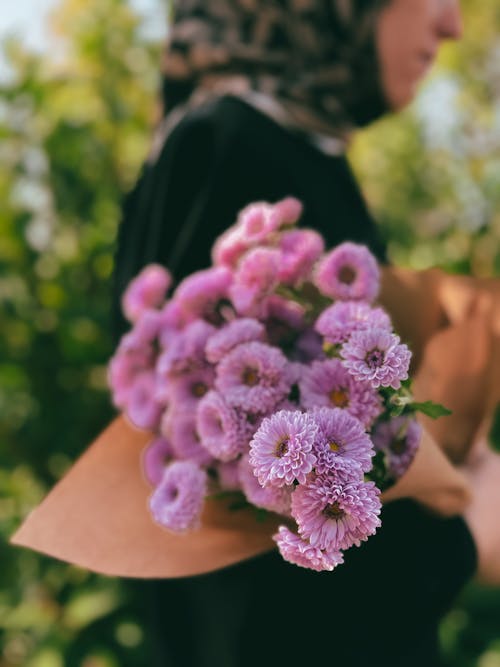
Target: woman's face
x,y
409,33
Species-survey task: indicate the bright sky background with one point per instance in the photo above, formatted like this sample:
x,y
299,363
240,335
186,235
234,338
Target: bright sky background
x,y
26,18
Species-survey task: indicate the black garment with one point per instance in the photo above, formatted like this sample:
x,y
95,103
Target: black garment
x,y
382,607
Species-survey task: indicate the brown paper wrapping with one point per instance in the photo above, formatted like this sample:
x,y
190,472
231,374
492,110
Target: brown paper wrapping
x,y
97,517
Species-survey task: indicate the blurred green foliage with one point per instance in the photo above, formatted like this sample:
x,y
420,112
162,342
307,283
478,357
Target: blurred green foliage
x,y
74,128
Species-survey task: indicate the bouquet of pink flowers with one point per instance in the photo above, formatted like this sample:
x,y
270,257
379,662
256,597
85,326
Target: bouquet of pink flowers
x,y
274,377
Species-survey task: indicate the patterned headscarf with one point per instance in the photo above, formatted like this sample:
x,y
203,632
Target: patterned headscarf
x,y
311,64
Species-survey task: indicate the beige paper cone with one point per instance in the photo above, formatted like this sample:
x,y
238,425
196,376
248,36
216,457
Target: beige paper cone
x,y
412,298
455,371
97,517
432,480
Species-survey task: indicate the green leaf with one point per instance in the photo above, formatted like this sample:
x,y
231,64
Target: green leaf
x,y
433,410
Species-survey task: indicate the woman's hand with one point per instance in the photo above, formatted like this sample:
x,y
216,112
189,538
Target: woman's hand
x,y
482,515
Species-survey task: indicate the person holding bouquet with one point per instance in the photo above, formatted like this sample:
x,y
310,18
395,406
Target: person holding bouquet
x,y
273,373
260,102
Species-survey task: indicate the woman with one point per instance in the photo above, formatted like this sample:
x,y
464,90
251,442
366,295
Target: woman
x,y
260,99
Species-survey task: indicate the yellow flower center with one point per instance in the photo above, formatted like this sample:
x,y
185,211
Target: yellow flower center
x,y
250,377
339,398
333,511
281,448
199,389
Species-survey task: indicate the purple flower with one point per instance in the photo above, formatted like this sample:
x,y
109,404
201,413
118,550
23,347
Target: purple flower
x,y
123,370
228,475
172,321
155,458
328,383
300,552
348,272
286,211
376,355
255,278
184,392
257,223
399,438
242,330
186,351
337,322
300,248
224,431
340,437
177,502
201,293
281,451
142,407
253,376
146,291
180,427
308,346
271,498
229,248
335,512
136,354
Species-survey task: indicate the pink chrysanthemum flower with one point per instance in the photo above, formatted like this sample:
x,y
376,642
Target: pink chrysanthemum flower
x,y
184,392
255,278
186,350
242,330
224,431
201,293
271,498
146,291
180,427
300,249
253,377
155,458
281,451
399,438
124,368
228,475
172,321
337,322
145,331
229,248
335,513
376,356
327,383
142,407
348,272
286,211
256,223
177,502
340,436
300,552
136,354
